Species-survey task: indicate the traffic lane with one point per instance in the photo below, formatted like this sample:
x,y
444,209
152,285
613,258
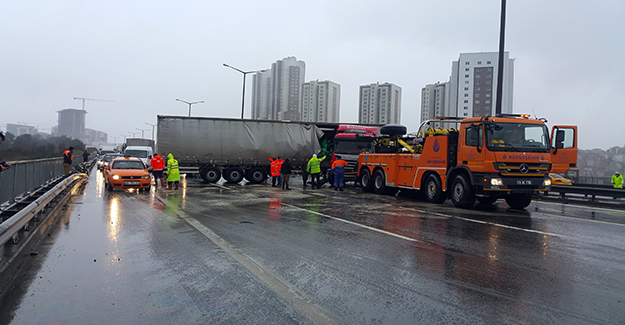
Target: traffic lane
x,y
519,265
127,258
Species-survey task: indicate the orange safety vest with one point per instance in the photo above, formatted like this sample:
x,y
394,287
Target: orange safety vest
x,y
275,167
68,155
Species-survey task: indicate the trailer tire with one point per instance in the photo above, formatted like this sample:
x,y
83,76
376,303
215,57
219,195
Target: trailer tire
x,y
518,201
234,175
210,174
462,194
433,190
487,200
366,181
256,175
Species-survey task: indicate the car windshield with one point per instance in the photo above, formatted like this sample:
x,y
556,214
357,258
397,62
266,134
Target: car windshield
x,y
127,164
557,176
111,157
137,153
517,137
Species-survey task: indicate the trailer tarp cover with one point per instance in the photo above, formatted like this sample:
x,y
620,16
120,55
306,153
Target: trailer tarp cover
x,y
223,141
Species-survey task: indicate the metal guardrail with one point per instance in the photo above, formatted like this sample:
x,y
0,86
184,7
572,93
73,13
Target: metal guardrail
x,y
24,176
593,190
12,225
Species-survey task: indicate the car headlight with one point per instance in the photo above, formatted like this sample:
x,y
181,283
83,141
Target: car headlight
x,y
496,182
115,176
146,177
547,182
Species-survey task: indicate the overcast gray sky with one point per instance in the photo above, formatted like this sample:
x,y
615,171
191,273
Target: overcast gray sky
x,y
569,68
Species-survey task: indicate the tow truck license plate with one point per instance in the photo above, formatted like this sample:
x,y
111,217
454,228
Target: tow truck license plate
x,y
523,182
131,183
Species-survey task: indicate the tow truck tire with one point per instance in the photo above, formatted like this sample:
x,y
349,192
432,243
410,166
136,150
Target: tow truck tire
x,y
365,181
462,194
487,200
210,174
234,175
256,175
518,201
432,190
393,129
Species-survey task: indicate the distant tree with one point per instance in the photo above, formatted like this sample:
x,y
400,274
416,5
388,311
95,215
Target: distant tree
x,y
26,146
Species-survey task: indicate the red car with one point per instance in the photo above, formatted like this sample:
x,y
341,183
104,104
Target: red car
x,y
127,172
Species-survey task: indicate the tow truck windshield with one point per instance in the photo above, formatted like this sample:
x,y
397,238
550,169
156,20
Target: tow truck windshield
x,y
517,137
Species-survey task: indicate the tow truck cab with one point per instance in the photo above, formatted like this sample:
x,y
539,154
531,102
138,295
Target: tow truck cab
x,y
485,158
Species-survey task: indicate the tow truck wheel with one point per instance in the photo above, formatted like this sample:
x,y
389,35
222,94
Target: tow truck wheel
x,y
486,200
433,190
210,174
365,181
256,175
379,185
518,201
234,174
462,194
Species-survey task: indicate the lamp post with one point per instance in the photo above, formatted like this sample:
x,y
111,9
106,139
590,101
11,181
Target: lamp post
x,y
142,131
244,74
133,133
189,103
125,136
152,125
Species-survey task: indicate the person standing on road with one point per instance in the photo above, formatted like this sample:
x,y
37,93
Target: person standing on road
x,y
68,157
85,156
157,163
304,168
617,180
314,168
280,162
338,168
3,165
275,171
286,169
173,173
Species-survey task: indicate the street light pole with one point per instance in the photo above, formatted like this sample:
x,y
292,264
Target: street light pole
x,y
244,74
190,103
152,125
133,133
142,131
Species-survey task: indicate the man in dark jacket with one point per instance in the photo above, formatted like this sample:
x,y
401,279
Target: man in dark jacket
x,y
3,165
68,156
286,174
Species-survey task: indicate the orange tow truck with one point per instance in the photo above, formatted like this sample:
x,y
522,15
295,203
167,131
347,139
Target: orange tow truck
x,y
506,156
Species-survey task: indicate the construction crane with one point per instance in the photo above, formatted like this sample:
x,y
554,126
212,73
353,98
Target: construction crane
x,y
97,100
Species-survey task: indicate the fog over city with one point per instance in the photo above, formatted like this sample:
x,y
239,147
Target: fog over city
x,y
142,55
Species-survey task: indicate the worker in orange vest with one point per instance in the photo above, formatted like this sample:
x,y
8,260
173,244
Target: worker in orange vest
x,y
68,156
158,164
338,167
275,171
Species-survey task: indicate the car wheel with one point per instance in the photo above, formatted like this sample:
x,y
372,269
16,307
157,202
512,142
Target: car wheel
x,y
210,174
432,189
518,201
256,175
462,194
234,175
365,181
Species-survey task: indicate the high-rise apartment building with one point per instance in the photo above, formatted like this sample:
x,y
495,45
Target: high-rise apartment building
x,y
71,123
320,102
19,129
277,92
473,89
379,104
435,101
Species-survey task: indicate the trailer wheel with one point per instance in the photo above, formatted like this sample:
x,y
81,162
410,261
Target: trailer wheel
x,y
462,194
365,181
233,175
210,174
256,175
487,200
433,190
518,201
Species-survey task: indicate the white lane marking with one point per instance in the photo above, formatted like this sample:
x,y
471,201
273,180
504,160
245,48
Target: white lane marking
x,y
427,212
352,223
278,285
582,219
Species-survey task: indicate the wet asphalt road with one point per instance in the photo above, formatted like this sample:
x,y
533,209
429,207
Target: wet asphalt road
x,y
253,254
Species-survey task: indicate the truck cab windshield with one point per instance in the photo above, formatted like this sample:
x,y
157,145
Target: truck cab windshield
x,y
352,146
517,137
137,153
